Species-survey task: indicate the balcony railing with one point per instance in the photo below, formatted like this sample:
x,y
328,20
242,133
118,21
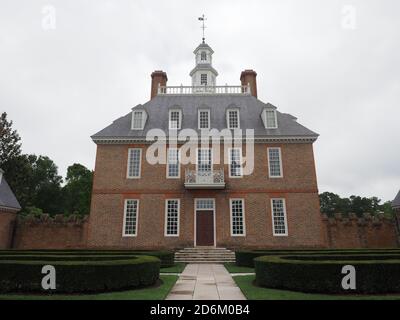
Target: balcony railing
x,y
213,179
199,90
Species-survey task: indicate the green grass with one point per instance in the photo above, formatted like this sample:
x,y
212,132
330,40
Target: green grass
x,y
233,268
253,292
152,293
176,268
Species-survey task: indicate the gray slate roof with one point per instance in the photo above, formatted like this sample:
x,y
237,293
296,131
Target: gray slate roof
x,y
7,197
396,201
250,116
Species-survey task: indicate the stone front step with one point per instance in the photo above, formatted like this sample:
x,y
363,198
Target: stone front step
x,y
204,255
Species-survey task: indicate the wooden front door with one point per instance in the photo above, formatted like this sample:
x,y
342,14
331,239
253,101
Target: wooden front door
x,y
205,228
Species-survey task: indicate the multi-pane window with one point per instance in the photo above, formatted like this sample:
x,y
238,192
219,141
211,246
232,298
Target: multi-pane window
x,y
204,119
172,217
270,119
205,204
203,79
233,119
175,119
203,56
204,161
279,217
237,217
173,163
134,159
138,118
275,162
235,162
131,217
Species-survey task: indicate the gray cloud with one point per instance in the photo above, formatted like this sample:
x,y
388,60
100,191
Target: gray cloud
x,y
60,86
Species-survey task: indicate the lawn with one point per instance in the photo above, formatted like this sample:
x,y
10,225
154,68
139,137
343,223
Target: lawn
x,y
253,292
152,293
233,268
176,268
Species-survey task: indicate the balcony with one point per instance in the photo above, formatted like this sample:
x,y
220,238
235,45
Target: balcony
x,y
201,90
213,179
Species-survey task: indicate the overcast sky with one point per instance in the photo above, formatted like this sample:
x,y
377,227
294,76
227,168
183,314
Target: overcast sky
x,y
333,64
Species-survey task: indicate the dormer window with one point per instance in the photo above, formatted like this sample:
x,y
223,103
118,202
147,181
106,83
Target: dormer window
x,y
233,119
203,79
204,119
138,120
203,56
175,119
269,119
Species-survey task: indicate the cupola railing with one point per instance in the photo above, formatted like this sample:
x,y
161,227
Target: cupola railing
x,y
194,90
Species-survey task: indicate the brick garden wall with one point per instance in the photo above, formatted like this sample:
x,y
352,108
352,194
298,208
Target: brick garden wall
x,y
7,220
364,232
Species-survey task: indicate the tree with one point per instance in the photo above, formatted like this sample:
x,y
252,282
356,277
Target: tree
x,y
10,146
78,189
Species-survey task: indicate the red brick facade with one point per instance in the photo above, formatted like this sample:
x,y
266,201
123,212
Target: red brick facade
x,y
298,187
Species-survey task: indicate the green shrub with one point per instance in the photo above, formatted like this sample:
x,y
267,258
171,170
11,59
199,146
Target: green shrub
x,y
375,274
77,274
166,257
246,258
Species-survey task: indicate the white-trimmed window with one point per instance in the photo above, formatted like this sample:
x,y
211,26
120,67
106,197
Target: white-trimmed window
x,y
205,204
131,213
172,211
275,163
204,119
238,227
203,79
173,164
175,119
235,163
134,163
270,120
203,56
138,120
279,220
233,119
204,160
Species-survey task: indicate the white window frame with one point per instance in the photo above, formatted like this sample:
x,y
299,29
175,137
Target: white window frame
x,y
266,119
280,163
197,158
166,218
198,117
179,164
144,117
284,215
137,218
228,120
201,79
203,54
230,163
180,119
231,216
128,164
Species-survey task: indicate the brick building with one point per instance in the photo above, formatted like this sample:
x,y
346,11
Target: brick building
x,y
257,189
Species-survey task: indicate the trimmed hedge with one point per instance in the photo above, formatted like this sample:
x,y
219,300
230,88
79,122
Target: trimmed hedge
x,y
245,258
166,257
375,274
78,274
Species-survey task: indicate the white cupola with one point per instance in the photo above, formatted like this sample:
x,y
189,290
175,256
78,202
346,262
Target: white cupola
x,y
203,74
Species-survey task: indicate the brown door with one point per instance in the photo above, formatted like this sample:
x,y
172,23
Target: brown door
x,y
204,228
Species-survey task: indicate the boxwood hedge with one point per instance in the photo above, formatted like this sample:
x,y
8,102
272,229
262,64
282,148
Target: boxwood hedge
x,y
77,273
375,273
166,257
245,258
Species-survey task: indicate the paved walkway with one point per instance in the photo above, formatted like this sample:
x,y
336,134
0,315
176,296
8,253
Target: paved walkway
x,y
205,282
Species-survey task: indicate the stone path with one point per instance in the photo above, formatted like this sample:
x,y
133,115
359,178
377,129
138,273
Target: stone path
x,y
205,282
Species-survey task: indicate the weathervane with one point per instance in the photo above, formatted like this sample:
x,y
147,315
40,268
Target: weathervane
x,y
203,18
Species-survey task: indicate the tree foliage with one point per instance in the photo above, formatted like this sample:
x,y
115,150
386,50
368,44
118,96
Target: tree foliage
x,y
10,145
332,203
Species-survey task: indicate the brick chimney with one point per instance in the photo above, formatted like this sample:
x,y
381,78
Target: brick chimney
x,y
158,78
249,77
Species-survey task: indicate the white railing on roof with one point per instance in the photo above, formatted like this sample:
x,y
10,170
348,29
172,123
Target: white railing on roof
x,y
164,90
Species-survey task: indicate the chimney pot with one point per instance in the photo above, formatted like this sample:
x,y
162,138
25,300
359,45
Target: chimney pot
x,y
158,79
249,77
